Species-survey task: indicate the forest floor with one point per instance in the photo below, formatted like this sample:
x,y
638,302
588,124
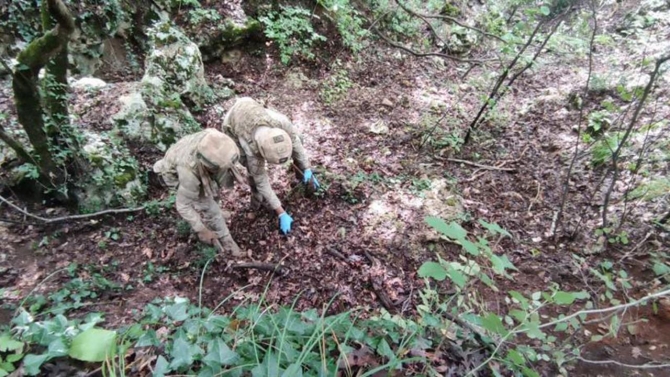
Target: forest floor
x,y
364,237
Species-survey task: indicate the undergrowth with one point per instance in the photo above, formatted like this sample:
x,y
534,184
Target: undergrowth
x,y
177,336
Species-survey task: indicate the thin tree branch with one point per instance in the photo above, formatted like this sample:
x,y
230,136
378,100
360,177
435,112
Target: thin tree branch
x,y
73,217
426,54
566,184
615,156
424,19
487,167
499,83
642,366
448,18
15,145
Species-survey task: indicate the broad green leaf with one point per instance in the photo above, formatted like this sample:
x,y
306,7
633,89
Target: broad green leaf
x,y
219,354
177,312
57,348
536,295
564,298
515,357
494,324
293,370
500,264
8,344
519,315
457,277
182,353
385,350
470,247
545,10
562,326
451,230
161,367
523,302
661,269
148,339
33,363
4,372
432,270
93,345
494,228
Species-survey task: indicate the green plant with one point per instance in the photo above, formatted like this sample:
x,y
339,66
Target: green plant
x,y
598,122
348,21
621,237
336,86
151,270
291,28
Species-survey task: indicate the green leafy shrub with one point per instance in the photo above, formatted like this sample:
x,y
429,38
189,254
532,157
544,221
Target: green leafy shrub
x,y
292,30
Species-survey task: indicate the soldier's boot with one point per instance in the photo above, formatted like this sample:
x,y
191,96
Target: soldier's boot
x,y
230,245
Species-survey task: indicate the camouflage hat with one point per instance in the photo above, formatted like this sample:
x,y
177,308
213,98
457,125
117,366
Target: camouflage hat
x,y
217,151
274,144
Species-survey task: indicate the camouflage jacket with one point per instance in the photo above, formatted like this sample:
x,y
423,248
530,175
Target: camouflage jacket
x,y
240,124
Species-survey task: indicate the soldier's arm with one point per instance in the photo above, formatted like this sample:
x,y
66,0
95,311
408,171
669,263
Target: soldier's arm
x,y
188,193
299,155
256,168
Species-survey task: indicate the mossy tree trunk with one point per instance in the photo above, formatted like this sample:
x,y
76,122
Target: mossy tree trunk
x,y
34,57
56,86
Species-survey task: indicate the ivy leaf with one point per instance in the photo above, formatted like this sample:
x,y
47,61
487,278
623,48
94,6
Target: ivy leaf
x,y
515,357
219,354
8,344
57,348
93,345
177,312
451,230
182,354
432,270
161,367
33,363
494,324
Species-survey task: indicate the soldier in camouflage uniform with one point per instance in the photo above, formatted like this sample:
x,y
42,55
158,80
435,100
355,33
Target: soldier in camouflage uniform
x,y
198,165
265,135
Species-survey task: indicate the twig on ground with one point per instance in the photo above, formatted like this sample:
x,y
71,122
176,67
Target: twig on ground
x,y
73,217
259,266
487,167
335,253
641,366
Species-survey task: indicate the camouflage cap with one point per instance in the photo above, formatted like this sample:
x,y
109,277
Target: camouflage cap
x,y
274,144
217,150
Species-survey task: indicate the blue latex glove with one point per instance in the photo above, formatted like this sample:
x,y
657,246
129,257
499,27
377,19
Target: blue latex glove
x,y
285,222
307,175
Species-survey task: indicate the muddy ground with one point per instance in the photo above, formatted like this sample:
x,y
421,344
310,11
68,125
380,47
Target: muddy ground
x,y
378,190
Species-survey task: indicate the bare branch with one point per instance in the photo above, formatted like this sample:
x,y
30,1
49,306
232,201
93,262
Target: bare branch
x,y
486,167
73,217
615,156
566,184
15,145
448,18
426,54
641,366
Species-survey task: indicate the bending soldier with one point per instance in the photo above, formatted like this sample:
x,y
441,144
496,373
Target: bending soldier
x,y
198,165
264,135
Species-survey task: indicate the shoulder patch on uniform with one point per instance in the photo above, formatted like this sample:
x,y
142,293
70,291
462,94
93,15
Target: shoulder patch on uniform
x,y
278,139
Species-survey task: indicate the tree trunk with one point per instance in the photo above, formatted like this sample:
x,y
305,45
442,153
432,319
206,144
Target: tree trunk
x,y
26,92
55,98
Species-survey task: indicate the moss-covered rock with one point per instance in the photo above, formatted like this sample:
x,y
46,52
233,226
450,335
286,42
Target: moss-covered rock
x,y
156,111
113,178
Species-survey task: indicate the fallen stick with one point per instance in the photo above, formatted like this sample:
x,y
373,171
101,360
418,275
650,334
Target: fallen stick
x,y
336,254
73,217
487,167
259,266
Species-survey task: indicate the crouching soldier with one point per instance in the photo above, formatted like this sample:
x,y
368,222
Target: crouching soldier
x,y
198,165
264,135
